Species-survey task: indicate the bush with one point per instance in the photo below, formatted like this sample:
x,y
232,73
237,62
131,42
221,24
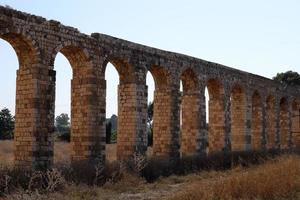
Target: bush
x,y
162,166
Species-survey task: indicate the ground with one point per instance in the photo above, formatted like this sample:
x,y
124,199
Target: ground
x,y
277,178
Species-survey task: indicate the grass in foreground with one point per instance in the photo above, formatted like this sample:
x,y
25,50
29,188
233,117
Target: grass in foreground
x,y
278,179
275,179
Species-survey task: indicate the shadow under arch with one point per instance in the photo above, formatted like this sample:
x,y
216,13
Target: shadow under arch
x,y
216,115
126,71
161,77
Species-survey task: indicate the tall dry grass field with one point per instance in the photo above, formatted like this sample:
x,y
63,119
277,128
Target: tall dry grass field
x,y
278,179
62,152
6,152
275,179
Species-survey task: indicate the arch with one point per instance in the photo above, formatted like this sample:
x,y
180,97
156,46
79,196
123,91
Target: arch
x,y
270,122
216,116
284,123
112,80
125,70
161,77
63,76
238,117
77,55
190,107
25,47
256,126
150,108
25,146
125,119
296,123
132,108
215,89
190,81
9,66
165,138
82,135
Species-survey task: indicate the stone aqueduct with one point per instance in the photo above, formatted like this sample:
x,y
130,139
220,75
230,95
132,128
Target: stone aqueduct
x,y
246,111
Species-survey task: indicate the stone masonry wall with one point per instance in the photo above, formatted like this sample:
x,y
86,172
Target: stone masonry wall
x,y
237,121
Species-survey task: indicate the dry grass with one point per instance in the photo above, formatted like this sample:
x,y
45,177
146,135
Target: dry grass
x,y
61,152
275,179
6,152
278,179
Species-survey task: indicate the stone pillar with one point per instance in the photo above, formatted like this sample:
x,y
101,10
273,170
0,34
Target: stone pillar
x,y
202,139
270,121
33,145
264,123
277,124
238,119
216,136
166,122
290,119
284,124
191,117
132,117
87,123
248,121
227,120
296,124
256,123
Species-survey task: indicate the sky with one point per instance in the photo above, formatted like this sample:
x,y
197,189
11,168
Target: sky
x,y
260,37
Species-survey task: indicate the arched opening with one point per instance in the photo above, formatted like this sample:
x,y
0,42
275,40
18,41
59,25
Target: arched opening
x,y
238,114
206,95
180,116
256,126
150,111
270,122
82,136
296,123
25,146
190,107
165,139
132,109
111,122
9,66
284,124
62,151
216,121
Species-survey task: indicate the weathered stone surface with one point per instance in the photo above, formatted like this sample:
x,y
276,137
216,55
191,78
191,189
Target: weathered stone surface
x,y
246,111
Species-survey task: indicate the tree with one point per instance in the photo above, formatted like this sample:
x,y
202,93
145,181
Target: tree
x,y
288,78
7,124
62,125
150,123
108,132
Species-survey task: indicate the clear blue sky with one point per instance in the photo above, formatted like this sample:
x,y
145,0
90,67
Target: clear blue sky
x,y
261,37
